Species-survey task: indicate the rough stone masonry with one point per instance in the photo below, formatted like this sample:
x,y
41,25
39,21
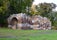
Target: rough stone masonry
x,y
23,21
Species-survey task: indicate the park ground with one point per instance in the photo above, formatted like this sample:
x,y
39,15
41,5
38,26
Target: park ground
x,y
10,34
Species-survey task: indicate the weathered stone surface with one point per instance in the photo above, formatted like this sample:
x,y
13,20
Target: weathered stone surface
x,y
22,21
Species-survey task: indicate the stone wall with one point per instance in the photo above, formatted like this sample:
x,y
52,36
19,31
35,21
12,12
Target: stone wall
x,y
36,22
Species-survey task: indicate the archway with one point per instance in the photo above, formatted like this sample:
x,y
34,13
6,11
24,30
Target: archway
x,y
14,22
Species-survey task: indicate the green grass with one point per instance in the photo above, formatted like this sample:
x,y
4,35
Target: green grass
x,y
9,34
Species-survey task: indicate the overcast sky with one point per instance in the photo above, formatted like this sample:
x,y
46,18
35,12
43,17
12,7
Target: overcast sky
x,y
48,1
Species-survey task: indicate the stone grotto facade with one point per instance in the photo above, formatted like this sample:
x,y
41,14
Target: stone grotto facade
x,y
23,21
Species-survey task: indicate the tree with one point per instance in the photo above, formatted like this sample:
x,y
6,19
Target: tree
x,y
19,5
3,5
33,10
45,8
3,9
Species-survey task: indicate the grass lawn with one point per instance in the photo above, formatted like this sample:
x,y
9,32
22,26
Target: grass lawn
x,y
9,34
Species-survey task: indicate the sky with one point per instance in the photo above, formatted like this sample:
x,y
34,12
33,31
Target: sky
x,y
48,1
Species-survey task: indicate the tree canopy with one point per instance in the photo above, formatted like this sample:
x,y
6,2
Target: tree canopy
x,y
45,8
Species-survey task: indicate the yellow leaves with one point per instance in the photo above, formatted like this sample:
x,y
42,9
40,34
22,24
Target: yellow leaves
x,y
33,10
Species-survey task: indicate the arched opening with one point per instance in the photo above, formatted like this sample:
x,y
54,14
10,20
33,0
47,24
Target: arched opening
x,y
14,22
